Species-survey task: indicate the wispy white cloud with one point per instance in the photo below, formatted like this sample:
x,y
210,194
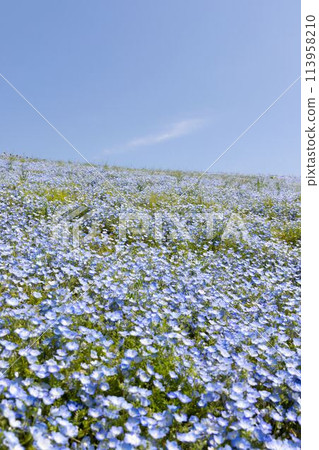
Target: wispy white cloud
x,y
174,131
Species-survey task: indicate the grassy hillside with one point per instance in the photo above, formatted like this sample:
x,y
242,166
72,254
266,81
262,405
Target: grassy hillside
x,y
148,309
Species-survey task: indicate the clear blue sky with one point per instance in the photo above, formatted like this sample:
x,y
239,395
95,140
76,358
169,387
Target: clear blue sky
x,y
160,84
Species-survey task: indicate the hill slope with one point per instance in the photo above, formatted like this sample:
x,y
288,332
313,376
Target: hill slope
x,y
147,309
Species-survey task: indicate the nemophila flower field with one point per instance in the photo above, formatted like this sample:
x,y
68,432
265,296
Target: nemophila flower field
x,y
141,341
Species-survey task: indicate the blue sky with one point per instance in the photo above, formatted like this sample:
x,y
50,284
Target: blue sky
x,y
157,84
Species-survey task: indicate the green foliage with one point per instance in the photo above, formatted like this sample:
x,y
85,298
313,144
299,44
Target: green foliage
x,y
290,233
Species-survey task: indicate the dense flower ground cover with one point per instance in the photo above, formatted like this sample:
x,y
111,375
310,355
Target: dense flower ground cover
x,y
146,343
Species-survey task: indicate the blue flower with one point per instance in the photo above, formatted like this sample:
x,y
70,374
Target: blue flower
x,y
132,439
158,433
12,441
191,436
